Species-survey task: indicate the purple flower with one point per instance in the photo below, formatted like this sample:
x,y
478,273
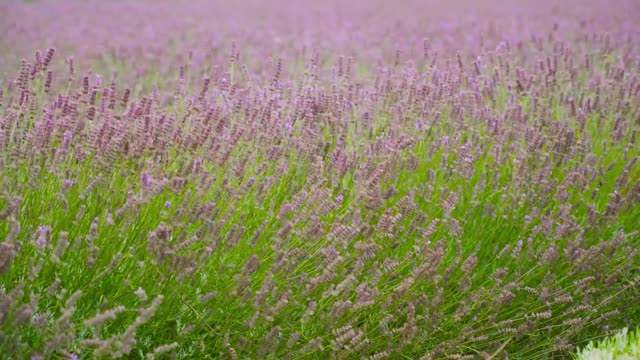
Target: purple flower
x,y
197,165
42,236
167,204
67,136
339,198
66,184
146,180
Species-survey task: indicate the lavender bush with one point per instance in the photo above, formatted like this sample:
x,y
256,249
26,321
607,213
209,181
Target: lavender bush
x,y
286,180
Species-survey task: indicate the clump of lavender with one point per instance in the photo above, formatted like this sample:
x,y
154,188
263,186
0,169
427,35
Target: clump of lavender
x,y
350,191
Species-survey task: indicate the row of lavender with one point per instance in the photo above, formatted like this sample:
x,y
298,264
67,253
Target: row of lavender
x,y
463,188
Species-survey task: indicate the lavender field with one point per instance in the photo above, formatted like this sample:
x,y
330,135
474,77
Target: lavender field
x,y
291,179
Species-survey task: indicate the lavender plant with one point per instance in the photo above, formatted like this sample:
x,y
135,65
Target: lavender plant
x,y
463,184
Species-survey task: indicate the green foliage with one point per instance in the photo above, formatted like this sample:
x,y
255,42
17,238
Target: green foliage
x,y
623,345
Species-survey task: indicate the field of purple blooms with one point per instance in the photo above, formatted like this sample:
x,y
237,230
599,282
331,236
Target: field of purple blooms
x,y
290,179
